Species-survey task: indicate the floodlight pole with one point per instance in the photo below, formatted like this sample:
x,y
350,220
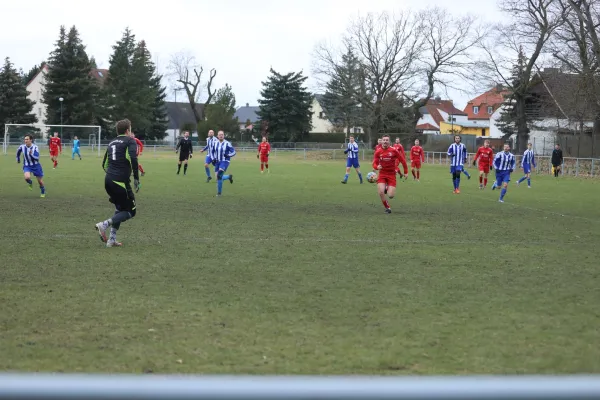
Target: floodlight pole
x,y
61,117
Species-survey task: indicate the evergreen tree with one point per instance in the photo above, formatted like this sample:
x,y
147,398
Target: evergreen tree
x,y
286,106
220,114
15,107
27,77
340,98
69,77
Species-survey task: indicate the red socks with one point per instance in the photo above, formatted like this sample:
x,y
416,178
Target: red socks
x,y
267,166
418,174
262,167
386,204
413,172
481,179
485,182
141,168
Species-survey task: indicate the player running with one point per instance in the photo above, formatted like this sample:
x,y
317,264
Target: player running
x,y
385,162
120,161
264,149
139,151
417,156
504,162
557,160
398,146
55,147
186,152
527,162
352,160
458,152
31,163
223,151
378,145
485,156
75,148
211,140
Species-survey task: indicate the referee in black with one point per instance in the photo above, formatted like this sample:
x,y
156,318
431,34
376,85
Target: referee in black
x,y
557,160
185,151
120,160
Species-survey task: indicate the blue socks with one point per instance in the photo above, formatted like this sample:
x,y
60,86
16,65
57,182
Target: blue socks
x,y
43,189
466,173
528,181
219,186
522,179
502,193
29,181
207,170
360,177
346,178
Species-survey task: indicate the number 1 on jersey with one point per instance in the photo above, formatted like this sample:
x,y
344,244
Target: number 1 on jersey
x,y
114,152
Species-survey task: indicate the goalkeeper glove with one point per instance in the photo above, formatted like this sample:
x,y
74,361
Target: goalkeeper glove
x,y
191,156
345,151
474,162
137,185
491,167
257,156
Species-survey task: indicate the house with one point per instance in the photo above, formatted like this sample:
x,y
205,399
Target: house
x,y
440,117
245,114
481,109
321,123
35,88
179,115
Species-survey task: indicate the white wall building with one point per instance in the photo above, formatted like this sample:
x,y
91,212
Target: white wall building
x,y
35,88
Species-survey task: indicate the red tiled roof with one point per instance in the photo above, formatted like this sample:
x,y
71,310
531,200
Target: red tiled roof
x,y
433,105
492,98
427,127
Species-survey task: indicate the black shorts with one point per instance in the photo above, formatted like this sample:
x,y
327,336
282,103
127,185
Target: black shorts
x,y
120,194
184,156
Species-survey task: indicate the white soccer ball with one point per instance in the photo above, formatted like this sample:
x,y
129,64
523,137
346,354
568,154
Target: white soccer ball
x,y
372,177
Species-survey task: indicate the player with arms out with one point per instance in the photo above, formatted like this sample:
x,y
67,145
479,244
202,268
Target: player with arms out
x,y
504,162
398,146
458,152
31,163
264,149
485,156
222,157
186,152
75,148
385,161
211,140
352,160
55,148
557,160
417,157
140,150
527,162
120,161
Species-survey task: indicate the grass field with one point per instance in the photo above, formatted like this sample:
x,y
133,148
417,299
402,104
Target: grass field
x,y
294,273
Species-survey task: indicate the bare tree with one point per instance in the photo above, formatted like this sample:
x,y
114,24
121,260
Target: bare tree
x,y
188,73
519,45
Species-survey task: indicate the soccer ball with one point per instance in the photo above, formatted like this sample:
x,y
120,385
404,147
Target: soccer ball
x,y
372,177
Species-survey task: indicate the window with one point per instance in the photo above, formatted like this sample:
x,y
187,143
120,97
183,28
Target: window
x,y
356,130
100,74
490,110
321,114
475,110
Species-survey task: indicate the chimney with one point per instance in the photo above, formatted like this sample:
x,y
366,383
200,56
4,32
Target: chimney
x,y
499,87
247,104
438,98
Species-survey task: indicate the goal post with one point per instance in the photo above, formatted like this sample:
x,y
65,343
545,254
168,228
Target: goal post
x,y
88,135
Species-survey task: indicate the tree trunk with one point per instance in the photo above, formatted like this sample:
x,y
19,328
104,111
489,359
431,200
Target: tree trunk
x,y
522,129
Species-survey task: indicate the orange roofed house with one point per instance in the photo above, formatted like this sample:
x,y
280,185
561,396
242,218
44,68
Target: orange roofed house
x,y
482,109
434,115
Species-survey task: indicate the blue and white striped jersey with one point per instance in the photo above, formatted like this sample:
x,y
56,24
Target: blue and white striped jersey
x,y
528,158
504,161
352,150
31,155
210,144
223,151
458,152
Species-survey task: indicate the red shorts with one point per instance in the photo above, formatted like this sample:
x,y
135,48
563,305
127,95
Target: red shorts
x,y
389,180
264,158
53,153
485,168
415,164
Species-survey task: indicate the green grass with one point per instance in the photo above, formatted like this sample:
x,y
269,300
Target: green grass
x,y
294,273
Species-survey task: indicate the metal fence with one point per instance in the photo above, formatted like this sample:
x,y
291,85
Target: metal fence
x,y
151,387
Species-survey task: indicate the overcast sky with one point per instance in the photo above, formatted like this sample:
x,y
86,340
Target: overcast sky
x,y
240,38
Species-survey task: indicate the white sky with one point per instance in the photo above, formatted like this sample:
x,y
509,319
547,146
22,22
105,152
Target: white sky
x,y
240,38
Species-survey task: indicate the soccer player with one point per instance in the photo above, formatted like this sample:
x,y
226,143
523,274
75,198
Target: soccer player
x,y
120,161
223,151
458,152
31,163
398,146
75,148
55,146
139,151
557,160
264,149
527,162
186,152
379,142
352,160
504,162
211,140
485,156
385,161
417,156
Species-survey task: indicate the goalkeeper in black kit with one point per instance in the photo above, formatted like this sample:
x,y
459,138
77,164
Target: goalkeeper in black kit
x,y
120,161
185,152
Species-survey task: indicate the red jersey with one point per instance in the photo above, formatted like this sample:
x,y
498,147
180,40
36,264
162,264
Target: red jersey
x,y
55,144
417,154
377,147
388,159
402,159
264,148
140,146
399,147
485,155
